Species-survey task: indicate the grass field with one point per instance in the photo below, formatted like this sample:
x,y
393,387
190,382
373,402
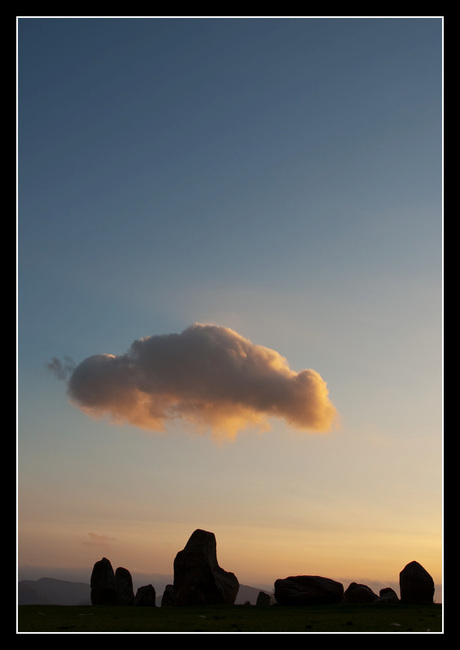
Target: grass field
x,y
335,618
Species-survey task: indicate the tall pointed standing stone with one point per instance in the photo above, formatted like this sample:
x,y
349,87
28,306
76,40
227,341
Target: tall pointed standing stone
x,y
103,588
198,578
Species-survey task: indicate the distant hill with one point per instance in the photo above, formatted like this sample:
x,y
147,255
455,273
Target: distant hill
x,y
248,594
50,591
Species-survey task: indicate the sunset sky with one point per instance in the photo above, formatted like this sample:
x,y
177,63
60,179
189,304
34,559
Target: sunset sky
x,y
230,294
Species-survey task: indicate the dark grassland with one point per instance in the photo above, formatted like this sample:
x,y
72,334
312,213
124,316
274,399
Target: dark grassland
x,y
239,618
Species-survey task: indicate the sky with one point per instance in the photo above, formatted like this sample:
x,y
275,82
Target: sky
x,y
229,282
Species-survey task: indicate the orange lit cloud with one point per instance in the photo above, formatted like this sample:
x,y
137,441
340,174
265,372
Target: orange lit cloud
x,y
208,376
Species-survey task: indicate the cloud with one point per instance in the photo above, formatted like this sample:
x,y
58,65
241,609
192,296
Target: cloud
x,y
208,376
101,538
62,369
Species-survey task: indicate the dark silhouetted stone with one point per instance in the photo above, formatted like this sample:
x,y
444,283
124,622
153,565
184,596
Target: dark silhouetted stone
x,y
103,589
124,586
416,585
387,595
145,596
198,578
168,596
308,590
263,599
357,593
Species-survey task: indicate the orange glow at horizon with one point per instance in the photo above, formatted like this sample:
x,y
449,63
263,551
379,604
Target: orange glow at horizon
x,y
257,556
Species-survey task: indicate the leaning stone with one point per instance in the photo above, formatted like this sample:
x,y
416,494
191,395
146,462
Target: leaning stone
x,y
145,596
357,593
124,586
103,588
308,590
416,585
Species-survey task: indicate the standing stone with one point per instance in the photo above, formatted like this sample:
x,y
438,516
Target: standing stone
x,y
145,597
308,590
387,595
416,585
124,586
103,588
263,599
198,578
168,596
357,593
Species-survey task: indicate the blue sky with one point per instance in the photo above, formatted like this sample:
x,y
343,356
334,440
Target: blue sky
x,y
279,177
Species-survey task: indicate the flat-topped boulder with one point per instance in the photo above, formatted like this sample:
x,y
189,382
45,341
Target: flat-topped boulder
x,y
308,590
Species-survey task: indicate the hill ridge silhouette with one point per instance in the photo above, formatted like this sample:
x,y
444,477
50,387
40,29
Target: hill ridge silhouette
x,y
54,591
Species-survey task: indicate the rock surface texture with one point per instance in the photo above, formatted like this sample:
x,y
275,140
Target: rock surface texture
x,y
198,578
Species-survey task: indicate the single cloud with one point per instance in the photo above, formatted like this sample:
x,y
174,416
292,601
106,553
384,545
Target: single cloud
x,y
99,540
208,376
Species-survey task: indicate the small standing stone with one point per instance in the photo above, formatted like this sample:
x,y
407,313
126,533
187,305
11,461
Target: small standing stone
x,y
263,599
124,586
168,596
357,593
145,597
387,595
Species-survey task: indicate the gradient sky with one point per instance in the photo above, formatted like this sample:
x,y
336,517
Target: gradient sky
x,y
281,177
